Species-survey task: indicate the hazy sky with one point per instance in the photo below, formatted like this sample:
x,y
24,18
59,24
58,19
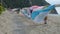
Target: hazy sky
x,y
57,9
53,1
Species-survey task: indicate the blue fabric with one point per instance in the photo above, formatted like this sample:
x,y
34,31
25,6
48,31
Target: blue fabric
x,y
35,13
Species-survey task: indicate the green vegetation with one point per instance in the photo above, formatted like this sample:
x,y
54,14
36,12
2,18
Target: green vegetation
x,y
16,3
23,3
1,8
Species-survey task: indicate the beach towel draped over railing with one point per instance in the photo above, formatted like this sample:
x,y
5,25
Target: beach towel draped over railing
x,y
37,15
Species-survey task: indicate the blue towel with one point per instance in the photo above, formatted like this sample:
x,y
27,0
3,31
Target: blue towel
x,y
35,13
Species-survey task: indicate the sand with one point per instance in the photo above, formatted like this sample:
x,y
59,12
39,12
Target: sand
x,y
12,23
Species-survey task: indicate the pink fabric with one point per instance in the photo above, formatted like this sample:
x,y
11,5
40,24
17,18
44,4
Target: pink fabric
x,y
34,8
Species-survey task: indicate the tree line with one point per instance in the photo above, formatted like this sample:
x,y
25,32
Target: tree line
x,y
23,3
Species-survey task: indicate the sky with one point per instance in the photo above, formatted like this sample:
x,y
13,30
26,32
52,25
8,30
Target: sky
x,y
58,10
53,1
